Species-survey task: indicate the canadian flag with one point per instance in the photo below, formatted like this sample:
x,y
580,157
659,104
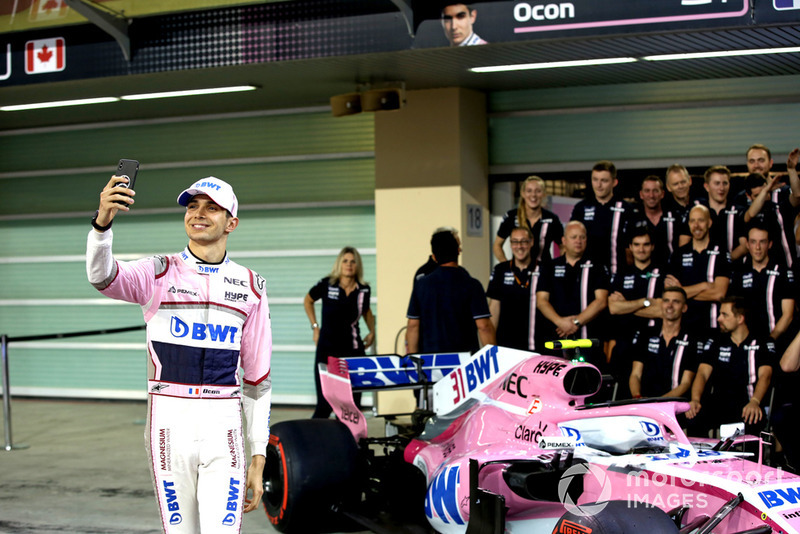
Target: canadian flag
x,y
45,55
48,10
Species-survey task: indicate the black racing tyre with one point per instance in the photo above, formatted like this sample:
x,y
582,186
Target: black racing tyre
x,y
312,465
616,517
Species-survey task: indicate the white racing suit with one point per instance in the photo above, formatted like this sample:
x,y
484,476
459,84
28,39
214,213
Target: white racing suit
x,y
204,322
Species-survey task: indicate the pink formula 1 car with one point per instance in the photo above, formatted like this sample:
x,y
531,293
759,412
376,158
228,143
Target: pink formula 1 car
x,y
509,445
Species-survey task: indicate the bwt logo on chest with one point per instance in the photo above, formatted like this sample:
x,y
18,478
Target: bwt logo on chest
x,y
202,331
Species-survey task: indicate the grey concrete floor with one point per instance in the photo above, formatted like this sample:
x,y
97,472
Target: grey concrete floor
x,y
85,470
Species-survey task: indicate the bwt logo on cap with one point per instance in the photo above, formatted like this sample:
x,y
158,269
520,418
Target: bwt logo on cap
x,y
207,185
218,190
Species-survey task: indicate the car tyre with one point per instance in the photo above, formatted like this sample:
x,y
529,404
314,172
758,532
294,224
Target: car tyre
x,y
312,466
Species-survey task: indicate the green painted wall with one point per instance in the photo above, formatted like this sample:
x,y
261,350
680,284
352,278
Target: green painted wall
x,y
305,183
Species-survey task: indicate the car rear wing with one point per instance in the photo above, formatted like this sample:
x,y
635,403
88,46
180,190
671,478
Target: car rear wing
x,y
340,377
392,371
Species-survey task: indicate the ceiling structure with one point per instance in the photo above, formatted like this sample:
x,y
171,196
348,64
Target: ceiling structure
x,y
15,14
311,82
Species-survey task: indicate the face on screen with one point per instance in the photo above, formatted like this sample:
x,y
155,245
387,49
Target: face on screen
x,y
457,21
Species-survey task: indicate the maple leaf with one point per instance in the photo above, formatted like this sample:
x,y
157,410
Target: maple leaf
x,y
50,5
45,54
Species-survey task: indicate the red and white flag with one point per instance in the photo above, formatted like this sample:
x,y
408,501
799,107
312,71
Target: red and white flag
x,y
45,55
48,10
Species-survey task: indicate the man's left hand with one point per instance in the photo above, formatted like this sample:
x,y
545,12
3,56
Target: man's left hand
x,y
254,482
751,412
794,156
368,339
773,183
616,296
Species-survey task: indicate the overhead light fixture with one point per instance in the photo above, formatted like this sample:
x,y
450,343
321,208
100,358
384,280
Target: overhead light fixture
x,y
617,60
60,103
555,64
724,53
142,96
191,92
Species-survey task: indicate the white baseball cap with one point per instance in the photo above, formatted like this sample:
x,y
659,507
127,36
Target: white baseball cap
x,y
218,190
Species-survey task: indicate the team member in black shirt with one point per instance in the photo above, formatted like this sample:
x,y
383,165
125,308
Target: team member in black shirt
x,y
740,366
634,304
767,286
665,359
667,229
544,225
727,218
448,311
573,291
702,268
771,206
345,299
636,290
779,201
679,184
607,219
512,294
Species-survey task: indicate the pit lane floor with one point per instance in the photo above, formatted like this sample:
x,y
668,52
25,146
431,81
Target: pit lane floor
x,y
85,470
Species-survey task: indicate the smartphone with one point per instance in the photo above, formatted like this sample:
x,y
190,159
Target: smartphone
x,y
129,168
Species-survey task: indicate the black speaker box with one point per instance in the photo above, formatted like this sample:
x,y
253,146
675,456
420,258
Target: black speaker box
x,y
382,100
348,104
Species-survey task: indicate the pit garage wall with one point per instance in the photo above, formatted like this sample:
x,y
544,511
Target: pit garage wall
x,y
305,182
307,185
422,183
696,123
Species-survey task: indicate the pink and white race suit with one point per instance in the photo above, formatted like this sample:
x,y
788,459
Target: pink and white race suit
x,y
204,322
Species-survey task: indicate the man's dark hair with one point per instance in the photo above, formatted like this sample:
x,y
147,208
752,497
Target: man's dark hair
x,y
525,229
652,178
716,169
753,180
675,289
640,231
606,165
444,247
448,4
738,305
756,224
